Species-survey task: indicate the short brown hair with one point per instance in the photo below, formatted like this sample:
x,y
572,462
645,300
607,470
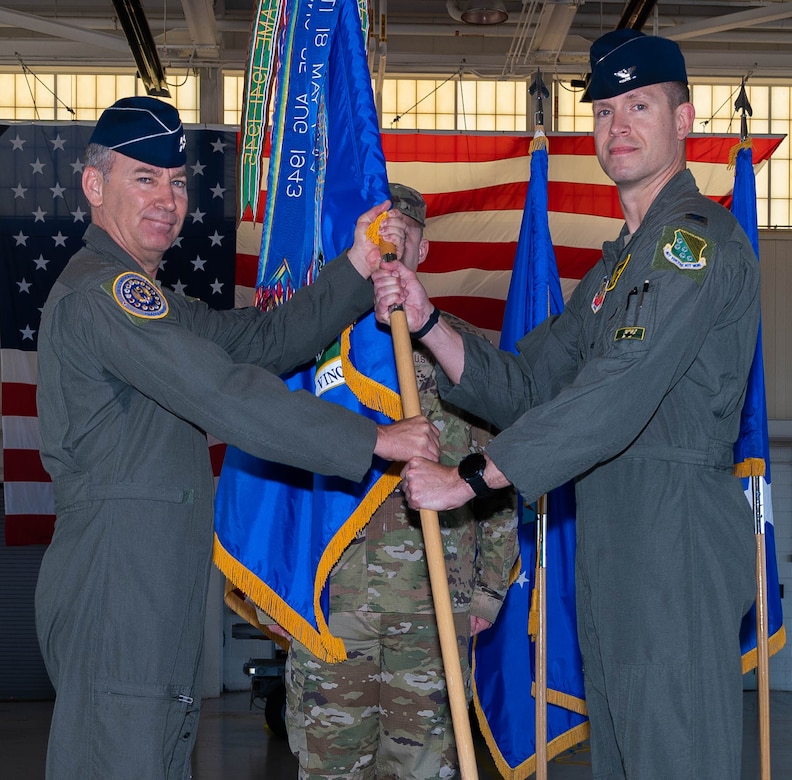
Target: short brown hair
x,y
677,92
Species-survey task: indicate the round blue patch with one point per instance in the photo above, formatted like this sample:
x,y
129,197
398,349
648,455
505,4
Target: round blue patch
x,y
139,296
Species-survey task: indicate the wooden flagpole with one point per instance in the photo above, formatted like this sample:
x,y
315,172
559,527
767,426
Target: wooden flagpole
x,y
757,494
438,576
540,91
762,630
433,543
540,696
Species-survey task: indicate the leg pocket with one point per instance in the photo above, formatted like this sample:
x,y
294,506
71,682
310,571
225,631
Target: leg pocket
x,y
655,724
143,730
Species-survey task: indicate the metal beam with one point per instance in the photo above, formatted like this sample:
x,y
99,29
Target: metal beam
x,y
201,22
553,27
755,16
57,29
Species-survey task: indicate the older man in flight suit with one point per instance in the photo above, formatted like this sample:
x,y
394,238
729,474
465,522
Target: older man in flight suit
x,y
130,377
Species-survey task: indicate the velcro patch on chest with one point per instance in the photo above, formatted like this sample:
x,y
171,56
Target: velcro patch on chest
x,y
138,296
632,333
684,251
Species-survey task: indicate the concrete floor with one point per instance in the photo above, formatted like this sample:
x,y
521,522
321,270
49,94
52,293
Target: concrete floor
x,y
235,743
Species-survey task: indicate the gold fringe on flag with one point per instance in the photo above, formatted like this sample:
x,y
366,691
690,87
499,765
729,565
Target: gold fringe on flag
x,y
321,643
746,144
750,467
539,141
236,601
555,746
775,643
533,615
369,392
565,700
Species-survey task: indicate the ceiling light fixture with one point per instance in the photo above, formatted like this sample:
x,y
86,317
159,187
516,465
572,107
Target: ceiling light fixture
x,y
477,11
141,42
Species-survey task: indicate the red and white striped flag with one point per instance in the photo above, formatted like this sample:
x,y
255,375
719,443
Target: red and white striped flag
x,y
43,215
475,186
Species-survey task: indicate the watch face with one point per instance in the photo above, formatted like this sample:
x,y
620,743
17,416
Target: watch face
x,y
472,465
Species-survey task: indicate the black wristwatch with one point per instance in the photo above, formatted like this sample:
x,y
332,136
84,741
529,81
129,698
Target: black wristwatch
x,y
471,469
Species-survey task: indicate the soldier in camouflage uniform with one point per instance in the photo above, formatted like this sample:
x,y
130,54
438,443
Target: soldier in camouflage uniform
x,y
384,712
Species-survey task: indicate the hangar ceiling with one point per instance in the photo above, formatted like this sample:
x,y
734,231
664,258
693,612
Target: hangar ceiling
x,y
720,38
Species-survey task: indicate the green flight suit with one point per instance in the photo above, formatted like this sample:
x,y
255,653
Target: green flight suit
x,y
124,399
638,396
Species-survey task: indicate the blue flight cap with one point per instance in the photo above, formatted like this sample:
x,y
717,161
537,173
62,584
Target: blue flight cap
x,y
626,59
144,129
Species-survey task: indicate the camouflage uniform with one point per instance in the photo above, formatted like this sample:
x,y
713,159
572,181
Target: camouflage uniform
x,y
383,713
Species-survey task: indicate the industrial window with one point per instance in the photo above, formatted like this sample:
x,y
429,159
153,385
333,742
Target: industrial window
x,y
457,103
83,96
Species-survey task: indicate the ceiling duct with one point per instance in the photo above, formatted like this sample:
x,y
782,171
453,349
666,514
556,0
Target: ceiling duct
x,y
141,42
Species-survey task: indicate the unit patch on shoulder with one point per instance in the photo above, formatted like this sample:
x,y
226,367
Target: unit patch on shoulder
x,y
139,296
684,251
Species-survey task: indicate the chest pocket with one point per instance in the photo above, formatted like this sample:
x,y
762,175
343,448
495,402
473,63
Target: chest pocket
x,y
632,325
625,324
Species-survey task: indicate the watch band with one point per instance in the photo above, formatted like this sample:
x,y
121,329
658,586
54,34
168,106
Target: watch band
x,y
471,470
480,487
428,325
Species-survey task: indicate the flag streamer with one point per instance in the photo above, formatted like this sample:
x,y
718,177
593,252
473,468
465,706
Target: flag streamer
x,y
259,74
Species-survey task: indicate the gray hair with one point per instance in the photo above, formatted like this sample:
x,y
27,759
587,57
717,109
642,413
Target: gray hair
x,y
99,157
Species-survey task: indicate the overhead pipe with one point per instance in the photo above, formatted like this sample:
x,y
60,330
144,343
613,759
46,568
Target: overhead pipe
x,y
635,14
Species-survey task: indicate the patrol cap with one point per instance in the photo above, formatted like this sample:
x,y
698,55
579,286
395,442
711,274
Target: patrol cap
x,y
144,129
625,59
409,202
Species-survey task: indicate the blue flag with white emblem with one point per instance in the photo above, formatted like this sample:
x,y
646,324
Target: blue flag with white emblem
x,y
752,449
503,656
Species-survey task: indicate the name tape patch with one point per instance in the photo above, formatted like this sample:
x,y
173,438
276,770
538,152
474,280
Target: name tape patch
x,y
633,333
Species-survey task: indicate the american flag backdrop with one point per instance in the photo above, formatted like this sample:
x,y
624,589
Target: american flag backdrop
x,y
474,184
475,187
43,215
